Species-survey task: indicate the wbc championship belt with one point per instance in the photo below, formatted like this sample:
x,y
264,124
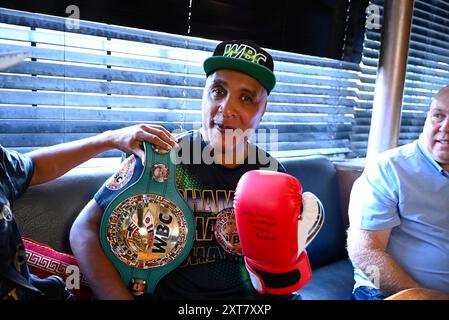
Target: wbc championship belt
x,y
148,229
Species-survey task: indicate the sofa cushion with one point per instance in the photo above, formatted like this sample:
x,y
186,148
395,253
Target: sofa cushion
x,y
43,261
318,175
46,212
331,282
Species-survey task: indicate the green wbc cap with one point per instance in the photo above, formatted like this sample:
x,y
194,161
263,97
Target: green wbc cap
x,y
245,56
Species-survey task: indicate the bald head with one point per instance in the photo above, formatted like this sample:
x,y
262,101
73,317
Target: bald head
x,y
435,135
442,95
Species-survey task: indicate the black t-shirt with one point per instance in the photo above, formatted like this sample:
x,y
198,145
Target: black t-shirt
x,y
16,171
215,267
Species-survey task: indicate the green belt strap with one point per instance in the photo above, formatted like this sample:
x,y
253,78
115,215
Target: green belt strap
x,y
148,229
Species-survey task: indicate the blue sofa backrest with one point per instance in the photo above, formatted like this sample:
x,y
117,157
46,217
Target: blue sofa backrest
x,y
318,175
46,212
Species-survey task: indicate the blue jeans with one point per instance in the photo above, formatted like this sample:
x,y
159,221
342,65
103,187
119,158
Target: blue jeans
x,y
367,293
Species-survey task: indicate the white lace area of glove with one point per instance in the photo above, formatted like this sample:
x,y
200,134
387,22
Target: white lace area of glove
x,y
256,282
312,218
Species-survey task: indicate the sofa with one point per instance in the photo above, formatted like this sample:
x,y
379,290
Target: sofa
x,y
46,212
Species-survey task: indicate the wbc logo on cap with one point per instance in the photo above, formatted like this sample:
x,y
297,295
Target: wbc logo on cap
x,y
245,52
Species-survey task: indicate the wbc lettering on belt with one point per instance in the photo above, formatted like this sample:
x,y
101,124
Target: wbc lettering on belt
x,y
146,231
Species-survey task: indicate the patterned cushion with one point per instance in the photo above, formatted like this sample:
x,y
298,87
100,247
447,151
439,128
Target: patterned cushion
x,y
44,261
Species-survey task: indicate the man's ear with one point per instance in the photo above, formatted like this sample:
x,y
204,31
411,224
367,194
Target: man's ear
x,y
264,109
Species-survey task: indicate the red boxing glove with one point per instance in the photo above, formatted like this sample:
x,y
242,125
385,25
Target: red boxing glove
x,y
275,223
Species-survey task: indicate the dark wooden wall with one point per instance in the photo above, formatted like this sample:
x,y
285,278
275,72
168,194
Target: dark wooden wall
x,y
325,28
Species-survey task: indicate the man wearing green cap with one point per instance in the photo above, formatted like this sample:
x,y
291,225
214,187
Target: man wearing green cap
x,y
239,79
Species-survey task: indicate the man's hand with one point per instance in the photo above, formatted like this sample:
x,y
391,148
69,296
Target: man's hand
x,y
129,139
418,294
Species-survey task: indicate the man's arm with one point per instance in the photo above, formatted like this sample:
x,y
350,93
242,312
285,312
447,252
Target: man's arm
x,y
100,273
54,161
367,250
